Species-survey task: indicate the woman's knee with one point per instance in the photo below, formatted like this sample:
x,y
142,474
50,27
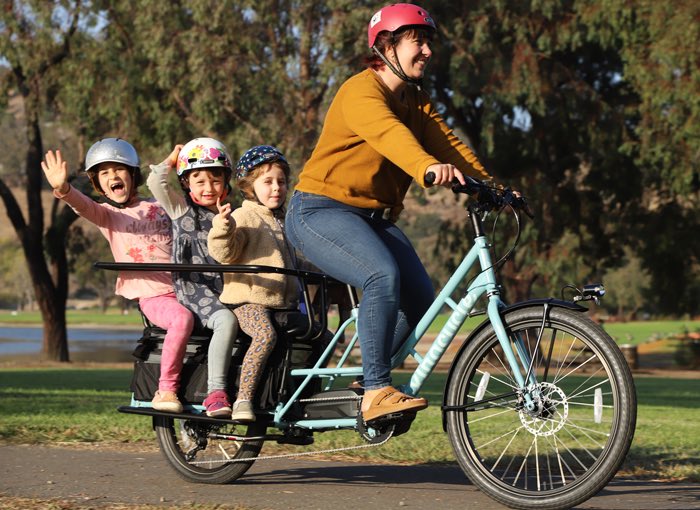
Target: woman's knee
x,y
383,275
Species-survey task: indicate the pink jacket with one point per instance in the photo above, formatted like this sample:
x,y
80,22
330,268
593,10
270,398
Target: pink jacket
x,y
140,232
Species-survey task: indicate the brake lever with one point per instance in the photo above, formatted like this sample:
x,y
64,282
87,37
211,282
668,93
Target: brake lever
x,y
524,206
517,202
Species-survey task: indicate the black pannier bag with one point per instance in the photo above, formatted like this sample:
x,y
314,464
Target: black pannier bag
x,y
275,384
193,378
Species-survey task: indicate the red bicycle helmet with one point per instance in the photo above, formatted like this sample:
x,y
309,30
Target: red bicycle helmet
x,y
394,16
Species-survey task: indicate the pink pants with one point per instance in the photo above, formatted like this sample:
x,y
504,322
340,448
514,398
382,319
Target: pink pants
x,y
167,313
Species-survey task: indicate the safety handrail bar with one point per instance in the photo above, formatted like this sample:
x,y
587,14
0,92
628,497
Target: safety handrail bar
x,y
306,276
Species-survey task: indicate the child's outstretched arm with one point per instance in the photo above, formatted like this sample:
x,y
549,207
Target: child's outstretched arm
x,y
56,172
172,200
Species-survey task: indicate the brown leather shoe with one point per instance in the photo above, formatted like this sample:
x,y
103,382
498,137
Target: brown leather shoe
x,y
389,401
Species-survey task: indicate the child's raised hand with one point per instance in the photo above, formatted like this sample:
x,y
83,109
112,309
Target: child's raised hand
x,y
56,171
224,209
171,160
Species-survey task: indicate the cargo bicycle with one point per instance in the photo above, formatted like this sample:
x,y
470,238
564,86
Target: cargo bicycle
x,y
539,403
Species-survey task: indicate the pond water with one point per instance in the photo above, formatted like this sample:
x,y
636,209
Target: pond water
x,y
84,344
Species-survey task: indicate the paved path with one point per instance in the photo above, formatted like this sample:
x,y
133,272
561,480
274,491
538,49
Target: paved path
x,y
96,477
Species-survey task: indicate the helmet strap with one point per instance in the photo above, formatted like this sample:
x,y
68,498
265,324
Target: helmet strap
x,y
397,69
118,205
192,197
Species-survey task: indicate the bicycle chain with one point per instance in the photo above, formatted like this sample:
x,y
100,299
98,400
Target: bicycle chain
x,y
300,454
291,455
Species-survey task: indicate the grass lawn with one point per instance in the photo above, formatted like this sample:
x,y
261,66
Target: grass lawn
x,y
623,332
638,332
48,405
113,317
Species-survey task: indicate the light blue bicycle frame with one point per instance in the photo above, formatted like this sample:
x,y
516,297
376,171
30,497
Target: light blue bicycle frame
x,y
484,283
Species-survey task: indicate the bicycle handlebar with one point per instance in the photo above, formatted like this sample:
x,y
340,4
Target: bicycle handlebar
x,y
488,198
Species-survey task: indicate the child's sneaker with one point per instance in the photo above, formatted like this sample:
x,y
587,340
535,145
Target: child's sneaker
x,y
243,411
217,404
166,401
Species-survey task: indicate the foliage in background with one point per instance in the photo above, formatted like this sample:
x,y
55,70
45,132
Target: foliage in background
x,y
565,101
13,277
628,287
589,107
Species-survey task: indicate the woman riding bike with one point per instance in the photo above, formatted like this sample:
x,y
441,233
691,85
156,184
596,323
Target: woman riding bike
x,y
380,133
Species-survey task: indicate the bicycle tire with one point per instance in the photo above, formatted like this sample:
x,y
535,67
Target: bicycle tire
x,y
178,440
568,449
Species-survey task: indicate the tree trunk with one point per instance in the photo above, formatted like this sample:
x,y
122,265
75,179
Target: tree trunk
x,y
50,294
54,345
51,300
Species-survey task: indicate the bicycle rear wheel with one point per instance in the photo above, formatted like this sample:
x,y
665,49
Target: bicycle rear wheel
x,y
572,443
202,452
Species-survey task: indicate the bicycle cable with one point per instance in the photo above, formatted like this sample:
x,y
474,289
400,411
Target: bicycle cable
x,y
500,262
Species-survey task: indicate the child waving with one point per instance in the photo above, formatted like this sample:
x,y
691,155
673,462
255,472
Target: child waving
x,y
138,230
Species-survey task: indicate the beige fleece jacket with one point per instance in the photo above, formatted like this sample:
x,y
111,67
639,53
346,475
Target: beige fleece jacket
x,y
253,236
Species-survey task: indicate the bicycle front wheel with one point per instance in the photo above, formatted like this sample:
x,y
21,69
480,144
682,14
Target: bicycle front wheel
x,y
564,442
205,452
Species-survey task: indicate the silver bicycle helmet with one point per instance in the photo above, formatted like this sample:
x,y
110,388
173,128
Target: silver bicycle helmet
x,y
113,150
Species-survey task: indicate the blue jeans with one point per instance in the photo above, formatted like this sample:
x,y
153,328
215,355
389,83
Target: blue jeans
x,y
371,254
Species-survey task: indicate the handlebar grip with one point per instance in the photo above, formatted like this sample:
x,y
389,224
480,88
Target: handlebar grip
x,y
430,179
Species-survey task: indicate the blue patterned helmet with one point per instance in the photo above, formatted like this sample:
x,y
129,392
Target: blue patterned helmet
x,y
255,157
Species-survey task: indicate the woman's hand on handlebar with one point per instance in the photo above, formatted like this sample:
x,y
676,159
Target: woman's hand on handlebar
x,y
487,196
443,174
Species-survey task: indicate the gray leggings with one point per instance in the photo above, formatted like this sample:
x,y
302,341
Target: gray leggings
x,y
225,327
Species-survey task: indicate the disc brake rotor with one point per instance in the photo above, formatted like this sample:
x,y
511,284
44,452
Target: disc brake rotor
x,y
551,413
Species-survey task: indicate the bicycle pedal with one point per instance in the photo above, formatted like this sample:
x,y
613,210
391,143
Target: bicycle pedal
x,y
404,424
296,440
393,418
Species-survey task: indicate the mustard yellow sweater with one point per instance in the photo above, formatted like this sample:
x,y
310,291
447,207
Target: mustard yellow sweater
x,y
373,145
